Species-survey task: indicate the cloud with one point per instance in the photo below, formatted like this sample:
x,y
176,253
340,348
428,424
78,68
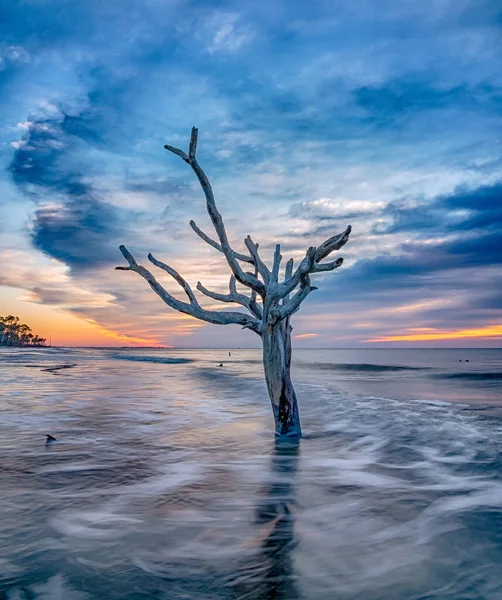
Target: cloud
x,y
11,56
463,210
227,34
303,336
324,209
310,117
78,227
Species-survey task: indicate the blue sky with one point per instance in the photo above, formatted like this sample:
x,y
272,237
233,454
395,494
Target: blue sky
x,y
385,115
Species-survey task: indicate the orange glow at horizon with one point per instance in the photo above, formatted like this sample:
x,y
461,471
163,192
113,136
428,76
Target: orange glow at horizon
x,y
65,329
68,330
303,336
427,334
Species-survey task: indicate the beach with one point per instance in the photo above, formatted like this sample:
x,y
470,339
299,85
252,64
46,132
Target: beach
x,y
165,481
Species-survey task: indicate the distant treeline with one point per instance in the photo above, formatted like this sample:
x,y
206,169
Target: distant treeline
x,y
15,333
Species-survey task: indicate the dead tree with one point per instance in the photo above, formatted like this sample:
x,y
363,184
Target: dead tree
x,y
269,304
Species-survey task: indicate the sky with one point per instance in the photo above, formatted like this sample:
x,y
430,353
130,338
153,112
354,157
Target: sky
x,y
384,115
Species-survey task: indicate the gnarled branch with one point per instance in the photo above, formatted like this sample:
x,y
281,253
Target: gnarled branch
x,y
332,244
218,247
292,305
261,266
216,218
276,264
310,264
176,276
330,266
193,308
233,296
254,307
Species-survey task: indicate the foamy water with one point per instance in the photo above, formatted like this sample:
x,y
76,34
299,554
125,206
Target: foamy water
x,y
165,481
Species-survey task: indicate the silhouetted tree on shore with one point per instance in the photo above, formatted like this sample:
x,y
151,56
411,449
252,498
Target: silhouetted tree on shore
x,y
15,333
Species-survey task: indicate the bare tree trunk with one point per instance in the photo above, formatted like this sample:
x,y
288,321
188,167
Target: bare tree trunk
x,y
270,303
277,365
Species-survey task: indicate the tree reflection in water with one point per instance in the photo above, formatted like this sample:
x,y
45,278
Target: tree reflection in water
x,y
271,575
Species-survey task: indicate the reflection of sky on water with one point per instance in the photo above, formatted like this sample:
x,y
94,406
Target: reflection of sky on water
x,y
165,483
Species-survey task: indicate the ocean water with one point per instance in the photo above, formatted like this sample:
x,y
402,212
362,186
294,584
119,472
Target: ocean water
x,y
165,481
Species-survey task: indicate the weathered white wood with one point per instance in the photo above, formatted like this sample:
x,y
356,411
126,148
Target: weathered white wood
x,y
235,297
333,243
260,265
276,263
216,218
292,305
271,318
330,266
176,276
193,308
218,247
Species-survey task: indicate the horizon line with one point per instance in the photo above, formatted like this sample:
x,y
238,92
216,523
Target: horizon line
x,y
258,348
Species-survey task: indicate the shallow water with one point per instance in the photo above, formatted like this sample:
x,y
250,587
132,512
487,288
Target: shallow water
x,y
165,481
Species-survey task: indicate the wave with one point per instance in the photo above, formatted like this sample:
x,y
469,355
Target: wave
x,y
163,360
474,376
365,367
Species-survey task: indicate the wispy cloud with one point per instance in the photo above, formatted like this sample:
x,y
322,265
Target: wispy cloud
x,y
310,117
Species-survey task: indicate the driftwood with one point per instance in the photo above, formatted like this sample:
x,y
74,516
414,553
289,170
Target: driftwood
x,y
269,304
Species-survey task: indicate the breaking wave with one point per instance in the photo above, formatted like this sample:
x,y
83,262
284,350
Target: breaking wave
x,y
161,360
474,376
365,367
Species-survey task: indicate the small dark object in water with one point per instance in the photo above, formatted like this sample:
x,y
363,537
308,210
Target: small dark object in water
x,y
229,354
459,360
220,365
466,360
50,438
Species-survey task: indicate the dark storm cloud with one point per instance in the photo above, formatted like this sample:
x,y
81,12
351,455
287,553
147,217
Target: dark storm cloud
x,y
463,210
77,233
71,222
469,265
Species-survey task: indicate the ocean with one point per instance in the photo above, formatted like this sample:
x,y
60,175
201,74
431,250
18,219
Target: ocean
x,y
165,481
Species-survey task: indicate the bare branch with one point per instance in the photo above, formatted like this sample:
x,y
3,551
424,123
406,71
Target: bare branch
x,y
332,244
311,264
276,264
292,305
215,295
232,285
262,267
288,272
177,151
305,267
193,143
214,244
244,278
289,269
176,276
253,292
234,296
330,266
192,308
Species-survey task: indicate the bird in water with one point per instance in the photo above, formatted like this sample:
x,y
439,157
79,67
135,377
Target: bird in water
x,y
220,365
50,439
